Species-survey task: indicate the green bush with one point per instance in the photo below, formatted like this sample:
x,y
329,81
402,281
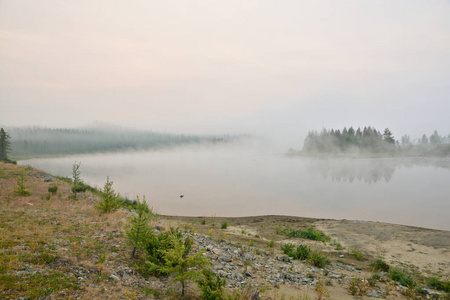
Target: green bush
x,y
402,278
224,225
380,265
53,189
318,259
302,252
288,249
309,234
437,284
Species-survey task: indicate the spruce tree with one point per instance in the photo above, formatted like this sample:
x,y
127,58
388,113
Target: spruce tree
x,y
5,145
110,199
76,179
139,229
22,189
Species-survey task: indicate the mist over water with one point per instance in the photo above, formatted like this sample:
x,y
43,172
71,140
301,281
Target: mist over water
x,y
232,180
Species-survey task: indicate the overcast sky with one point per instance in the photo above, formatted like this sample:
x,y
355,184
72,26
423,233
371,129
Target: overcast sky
x,y
233,66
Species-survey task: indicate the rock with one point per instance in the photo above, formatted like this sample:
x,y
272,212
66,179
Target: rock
x,y
112,276
49,178
225,257
222,273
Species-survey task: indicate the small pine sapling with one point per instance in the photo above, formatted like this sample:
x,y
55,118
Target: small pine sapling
x,y
110,201
22,189
76,181
139,229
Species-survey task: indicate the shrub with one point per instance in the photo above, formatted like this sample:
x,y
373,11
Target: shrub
x,y
53,189
318,259
437,284
224,225
402,278
288,249
380,265
271,244
309,234
302,252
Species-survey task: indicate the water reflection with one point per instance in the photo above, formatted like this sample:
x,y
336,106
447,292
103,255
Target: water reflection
x,y
368,170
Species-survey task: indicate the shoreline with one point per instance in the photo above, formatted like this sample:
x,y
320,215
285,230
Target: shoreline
x,y
77,237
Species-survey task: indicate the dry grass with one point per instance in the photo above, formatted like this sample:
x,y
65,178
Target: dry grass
x,y
58,247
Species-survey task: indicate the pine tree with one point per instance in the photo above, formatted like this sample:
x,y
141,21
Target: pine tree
x,y
5,145
139,228
76,179
435,139
387,136
22,189
174,259
110,201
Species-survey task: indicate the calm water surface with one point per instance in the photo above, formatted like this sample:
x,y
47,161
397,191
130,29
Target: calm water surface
x,y
235,181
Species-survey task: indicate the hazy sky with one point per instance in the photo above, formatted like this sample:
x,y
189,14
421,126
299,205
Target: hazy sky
x,y
230,66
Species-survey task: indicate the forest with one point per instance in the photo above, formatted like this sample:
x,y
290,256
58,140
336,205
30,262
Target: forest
x,y
371,141
34,140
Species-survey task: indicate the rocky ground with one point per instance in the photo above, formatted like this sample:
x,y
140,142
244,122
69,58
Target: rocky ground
x,y
54,247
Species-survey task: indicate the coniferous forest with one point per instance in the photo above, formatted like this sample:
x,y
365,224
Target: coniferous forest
x,y
370,141
34,141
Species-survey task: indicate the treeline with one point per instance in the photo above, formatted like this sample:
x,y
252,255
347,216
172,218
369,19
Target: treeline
x,y
371,141
50,141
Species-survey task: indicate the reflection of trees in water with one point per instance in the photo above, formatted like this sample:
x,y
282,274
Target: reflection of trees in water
x,y
369,170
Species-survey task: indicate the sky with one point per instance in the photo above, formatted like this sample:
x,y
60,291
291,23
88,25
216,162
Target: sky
x,y
275,68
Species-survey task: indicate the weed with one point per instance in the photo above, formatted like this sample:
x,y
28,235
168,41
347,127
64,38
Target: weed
x,y
321,290
130,295
271,244
358,286
102,259
224,225
203,222
374,278
358,254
